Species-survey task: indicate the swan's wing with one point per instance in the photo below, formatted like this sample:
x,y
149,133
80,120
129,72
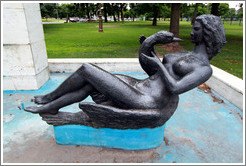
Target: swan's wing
x,y
112,117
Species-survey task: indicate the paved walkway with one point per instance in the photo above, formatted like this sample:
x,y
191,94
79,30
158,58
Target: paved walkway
x,y
58,22
200,131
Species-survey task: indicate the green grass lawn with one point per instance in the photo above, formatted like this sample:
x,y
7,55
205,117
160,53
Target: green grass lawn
x,y
82,40
52,20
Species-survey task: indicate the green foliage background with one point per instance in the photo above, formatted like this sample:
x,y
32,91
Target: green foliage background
x,y
82,40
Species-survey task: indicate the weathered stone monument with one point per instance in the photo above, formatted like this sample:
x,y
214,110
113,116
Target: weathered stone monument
x,y
25,64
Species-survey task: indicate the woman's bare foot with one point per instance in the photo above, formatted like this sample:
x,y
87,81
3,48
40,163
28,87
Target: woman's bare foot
x,y
36,110
42,99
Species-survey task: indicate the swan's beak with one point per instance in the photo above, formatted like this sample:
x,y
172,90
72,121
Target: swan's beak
x,y
175,39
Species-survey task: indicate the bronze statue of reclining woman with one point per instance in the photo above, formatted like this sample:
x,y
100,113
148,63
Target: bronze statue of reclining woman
x,y
124,102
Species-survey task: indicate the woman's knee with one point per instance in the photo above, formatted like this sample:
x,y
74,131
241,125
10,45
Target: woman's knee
x,y
85,67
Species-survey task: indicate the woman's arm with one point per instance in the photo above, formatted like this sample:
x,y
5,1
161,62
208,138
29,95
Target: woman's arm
x,y
199,75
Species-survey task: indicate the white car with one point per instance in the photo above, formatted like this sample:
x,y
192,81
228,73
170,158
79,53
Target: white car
x,y
82,20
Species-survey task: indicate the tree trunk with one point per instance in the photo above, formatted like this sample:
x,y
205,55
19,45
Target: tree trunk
x,y
133,18
122,15
215,9
154,23
174,23
118,14
194,14
114,18
105,13
87,11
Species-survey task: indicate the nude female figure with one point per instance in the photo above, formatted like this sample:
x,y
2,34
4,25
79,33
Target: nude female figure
x,y
131,103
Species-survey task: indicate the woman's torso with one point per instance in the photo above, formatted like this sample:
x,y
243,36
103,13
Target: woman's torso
x,y
178,65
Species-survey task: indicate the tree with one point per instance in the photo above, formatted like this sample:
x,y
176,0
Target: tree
x,y
115,10
118,11
202,9
150,10
183,9
105,11
47,9
156,13
240,11
165,11
223,9
111,8
174,23
194,14
87,7
70,8
64,10
80,9
231,13
133,13
199,9
122,9
215,9
127,14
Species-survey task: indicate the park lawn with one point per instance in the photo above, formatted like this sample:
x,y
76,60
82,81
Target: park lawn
x,y
52,20
82,40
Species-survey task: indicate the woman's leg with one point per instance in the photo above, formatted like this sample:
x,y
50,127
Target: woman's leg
x,y
118,91
121,93
65,100
72,83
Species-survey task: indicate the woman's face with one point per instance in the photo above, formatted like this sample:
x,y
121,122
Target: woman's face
x,y
197,33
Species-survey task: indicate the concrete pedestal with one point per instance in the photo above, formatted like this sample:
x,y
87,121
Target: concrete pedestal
x,y
25,64
130,139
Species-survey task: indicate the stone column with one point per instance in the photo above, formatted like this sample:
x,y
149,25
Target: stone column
x,y
25,64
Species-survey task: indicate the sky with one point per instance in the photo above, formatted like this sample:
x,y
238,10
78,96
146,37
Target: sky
x,y
234,5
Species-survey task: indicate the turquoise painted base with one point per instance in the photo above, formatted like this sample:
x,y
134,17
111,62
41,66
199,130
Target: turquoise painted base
x,y
130,139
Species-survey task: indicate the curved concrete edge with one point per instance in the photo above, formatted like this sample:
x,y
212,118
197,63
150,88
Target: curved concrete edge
x,y
228,86
108,64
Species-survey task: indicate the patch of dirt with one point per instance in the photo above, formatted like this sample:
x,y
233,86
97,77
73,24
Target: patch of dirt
x,y
231,61
217,99
45,150
207,89
159,55
171,47
166,141
240,116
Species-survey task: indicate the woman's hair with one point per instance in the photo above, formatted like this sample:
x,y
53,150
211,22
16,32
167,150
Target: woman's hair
x,y
214,33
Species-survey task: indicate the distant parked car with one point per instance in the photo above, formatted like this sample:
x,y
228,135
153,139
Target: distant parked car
x,y
91,19
74,19
82,20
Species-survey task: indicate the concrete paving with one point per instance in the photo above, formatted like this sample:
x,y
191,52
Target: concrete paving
x,y
205,129
57,22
